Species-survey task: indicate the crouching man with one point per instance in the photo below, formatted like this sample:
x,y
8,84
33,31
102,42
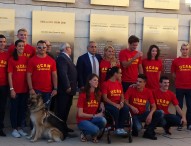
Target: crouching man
x,y
163,98
136,98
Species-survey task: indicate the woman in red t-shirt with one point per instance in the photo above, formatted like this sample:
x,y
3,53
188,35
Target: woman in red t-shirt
x,y
152,67
90,122
19,90
109,60
114,99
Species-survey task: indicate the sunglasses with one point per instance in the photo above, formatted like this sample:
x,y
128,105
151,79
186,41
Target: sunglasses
x,y
41,47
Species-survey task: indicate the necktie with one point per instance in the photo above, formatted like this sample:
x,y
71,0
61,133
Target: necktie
x,y
94,65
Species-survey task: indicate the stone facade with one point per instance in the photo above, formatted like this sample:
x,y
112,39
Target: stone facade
x,y
83,9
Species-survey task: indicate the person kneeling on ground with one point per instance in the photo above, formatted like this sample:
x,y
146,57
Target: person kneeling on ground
x,y
89,121
136,98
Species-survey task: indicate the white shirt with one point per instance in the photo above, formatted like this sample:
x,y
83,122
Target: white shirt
x,y
97,63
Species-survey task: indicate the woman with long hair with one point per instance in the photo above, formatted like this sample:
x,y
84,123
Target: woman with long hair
x,y
152,67
18,87
89,120
109,60
114,99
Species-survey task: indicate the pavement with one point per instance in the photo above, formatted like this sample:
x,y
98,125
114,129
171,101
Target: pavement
x,y
178,138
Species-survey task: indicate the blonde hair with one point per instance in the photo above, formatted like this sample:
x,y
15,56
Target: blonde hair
x,y
22,29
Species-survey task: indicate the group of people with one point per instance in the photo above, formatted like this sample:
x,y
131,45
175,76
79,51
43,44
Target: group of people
x,y
130,84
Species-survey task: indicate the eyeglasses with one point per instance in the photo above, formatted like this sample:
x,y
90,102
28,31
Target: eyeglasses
x,y
93,46
41,47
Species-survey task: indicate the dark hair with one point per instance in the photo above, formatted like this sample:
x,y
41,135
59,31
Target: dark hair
x,y
15,55
142,76
111,72
87,88
133,39
2,36
149,54
163,78
41,42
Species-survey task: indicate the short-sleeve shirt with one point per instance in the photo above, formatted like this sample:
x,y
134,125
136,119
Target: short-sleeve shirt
x,y
139,99
18,68
182,68
151,69
41,69
130,73
3,68
29,51
89,107
163,99
113,90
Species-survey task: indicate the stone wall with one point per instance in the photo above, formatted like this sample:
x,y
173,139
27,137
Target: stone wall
x,y
83,9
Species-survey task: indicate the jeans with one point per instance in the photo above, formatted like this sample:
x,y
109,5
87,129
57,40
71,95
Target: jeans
x,y
92,127
138,119
171,120
126,85
120,116
45,97
18,110
180,94
4,90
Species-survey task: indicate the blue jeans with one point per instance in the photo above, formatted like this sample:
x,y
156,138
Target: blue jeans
x,y
172,120
45,97
120,116
180,94
138,119
18,110
92,127
4,91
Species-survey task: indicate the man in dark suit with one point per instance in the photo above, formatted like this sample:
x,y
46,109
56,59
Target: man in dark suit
x,y
87,64
67,82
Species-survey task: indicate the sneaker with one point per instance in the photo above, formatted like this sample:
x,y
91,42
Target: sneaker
x,y
189,127
15,134
179,128
22,133
123,131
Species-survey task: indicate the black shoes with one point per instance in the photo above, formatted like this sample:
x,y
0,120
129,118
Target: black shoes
x,y
149,136
167,131
2,133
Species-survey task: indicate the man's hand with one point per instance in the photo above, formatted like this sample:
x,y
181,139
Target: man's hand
x,y
148,119
54,93
68,90
134,110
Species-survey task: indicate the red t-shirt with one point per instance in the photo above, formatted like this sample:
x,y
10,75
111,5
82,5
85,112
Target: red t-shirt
x,y
163,99
89,107
113,90
139,99
18,68
130,73
151,69
104,65
3,68
182,68
41,69
29,51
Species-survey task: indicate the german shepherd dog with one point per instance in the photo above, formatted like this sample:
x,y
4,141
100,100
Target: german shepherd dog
x,y
39,116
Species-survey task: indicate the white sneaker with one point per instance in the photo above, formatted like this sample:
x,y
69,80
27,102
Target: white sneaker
x,y
118,132
123,131
22,133
15,134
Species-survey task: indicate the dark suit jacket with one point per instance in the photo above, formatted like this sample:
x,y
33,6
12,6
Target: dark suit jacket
x,y
67,74
84,68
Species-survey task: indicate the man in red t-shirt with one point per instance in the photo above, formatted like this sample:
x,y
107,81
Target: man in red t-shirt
x,y
131,65
136,98
4,90
163,98
29,51
41,73
181,71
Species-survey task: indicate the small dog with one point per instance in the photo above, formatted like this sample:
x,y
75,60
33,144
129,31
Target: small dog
x,y
42,128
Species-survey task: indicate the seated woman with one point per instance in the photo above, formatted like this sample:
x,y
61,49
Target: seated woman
x,y
90,122
114,99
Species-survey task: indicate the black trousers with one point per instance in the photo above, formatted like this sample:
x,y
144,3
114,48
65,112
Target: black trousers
x,y
4,91
64,103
